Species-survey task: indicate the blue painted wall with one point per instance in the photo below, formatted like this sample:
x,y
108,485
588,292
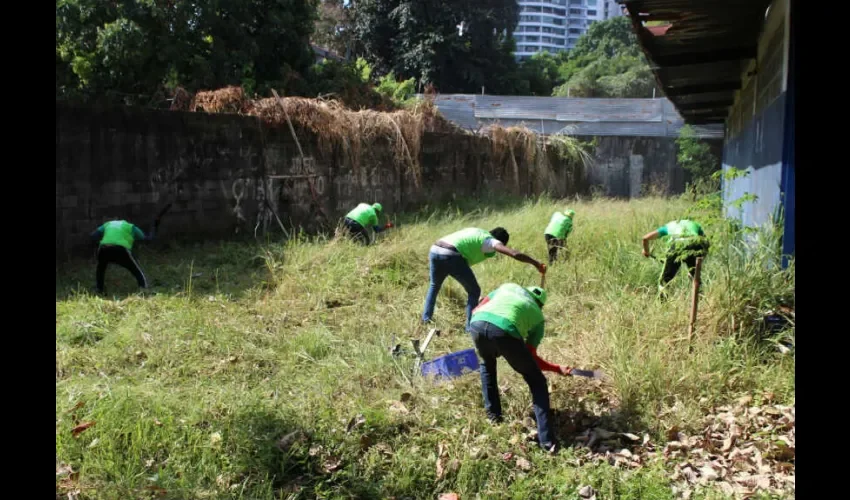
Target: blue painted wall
x,y
765,147
788,163
758,148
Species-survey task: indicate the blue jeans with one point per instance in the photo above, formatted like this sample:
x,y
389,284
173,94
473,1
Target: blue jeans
x,y
455,266
492,342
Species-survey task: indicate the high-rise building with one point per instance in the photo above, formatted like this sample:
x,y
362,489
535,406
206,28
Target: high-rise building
x,y
554,25
612,9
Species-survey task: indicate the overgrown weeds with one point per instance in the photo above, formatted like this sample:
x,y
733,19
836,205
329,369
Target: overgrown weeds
x,y
193,387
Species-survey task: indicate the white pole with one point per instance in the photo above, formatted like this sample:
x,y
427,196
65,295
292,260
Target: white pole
x,y
482,90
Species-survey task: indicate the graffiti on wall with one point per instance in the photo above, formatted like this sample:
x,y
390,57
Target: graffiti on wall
x,y
352,189
276,197
168,182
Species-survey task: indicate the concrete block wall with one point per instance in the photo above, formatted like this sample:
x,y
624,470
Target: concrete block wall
x,y
229,175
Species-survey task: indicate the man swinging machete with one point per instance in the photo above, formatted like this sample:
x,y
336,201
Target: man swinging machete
x,y
509,323
115,244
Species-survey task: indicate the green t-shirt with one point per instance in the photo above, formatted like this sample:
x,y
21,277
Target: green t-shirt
x,y
365,215
684,238
680,230
469,244
559,226
513,309
121,233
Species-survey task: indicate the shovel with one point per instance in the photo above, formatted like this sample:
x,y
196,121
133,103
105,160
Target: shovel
x,y
594,374
420,351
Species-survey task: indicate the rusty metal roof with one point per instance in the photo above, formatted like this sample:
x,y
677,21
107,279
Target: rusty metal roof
x,y
570,115
700,55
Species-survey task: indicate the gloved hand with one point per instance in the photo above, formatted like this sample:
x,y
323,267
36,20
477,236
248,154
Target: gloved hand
x,y
542,268
566,370
388,225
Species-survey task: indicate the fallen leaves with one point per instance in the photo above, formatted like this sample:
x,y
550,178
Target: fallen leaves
x,y
331,464
523,464
399,408
215,439
67,480
449,496
156,490
76,407
76,431
743,449
587,492
443,459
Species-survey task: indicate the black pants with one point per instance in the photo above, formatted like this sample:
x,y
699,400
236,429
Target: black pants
x,y
114,254
554,244
492,342
672,265
356,231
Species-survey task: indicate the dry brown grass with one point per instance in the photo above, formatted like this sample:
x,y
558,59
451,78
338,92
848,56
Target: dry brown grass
x,y
335,125
353,132
226,100
510,143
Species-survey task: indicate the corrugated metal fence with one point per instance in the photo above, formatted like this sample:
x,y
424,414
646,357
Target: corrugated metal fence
x,y
570,115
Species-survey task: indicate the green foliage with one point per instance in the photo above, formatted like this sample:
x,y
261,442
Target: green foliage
x,y
420,39
334,26
363,69
695,156
539,74
606,62
135,47
400,92
571,149
349,82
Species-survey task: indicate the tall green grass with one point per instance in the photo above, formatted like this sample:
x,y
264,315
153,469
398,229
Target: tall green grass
x,y
192,384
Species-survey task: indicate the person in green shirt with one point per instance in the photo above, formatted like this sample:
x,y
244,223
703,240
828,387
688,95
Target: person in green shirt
x,y
115,244
509,323
560,226
455,254
684,241
362,216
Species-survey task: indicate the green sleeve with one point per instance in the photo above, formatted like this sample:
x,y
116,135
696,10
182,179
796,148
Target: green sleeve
x,y
373,219
535,336
662,231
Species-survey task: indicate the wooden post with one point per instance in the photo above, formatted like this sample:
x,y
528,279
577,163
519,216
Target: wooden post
x,y
694,302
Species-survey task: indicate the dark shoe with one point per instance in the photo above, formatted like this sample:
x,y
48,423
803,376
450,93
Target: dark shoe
x,y
495,419
550,448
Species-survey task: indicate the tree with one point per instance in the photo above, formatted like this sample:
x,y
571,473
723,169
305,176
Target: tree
x,y
695,156
539,74
606,62
457,45
138,46
334,26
